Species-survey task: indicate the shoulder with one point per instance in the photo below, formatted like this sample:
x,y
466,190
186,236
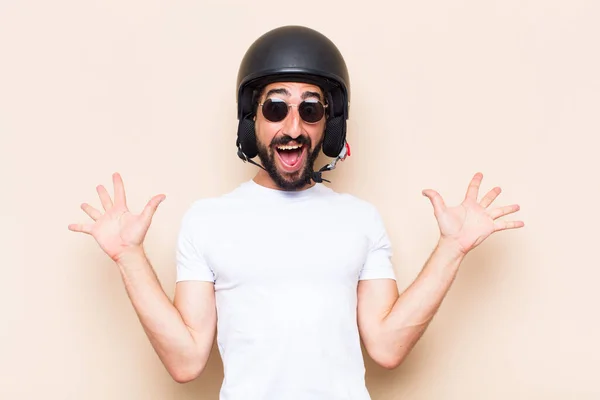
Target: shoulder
x,y
352,202
355,209
210,208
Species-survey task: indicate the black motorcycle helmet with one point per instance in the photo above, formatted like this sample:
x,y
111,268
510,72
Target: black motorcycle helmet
x,y
297,54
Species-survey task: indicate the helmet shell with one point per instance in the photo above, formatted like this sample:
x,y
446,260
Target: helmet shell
x,y
292,53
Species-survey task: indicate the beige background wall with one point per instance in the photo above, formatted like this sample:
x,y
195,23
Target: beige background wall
x,y
441,89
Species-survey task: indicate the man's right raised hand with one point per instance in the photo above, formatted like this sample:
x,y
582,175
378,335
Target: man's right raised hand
x,y
117,230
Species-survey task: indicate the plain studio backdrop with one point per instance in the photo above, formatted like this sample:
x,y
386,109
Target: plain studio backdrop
x,y
440,90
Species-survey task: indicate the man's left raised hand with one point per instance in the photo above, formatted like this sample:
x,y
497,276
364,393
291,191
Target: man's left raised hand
x,y
470,223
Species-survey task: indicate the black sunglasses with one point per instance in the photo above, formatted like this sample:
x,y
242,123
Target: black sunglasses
x,y
275,110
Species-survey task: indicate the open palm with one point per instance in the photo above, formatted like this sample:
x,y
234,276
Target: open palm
x,y
471,222
117,230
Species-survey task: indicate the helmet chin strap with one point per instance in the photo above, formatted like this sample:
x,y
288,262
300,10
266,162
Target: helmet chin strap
x,y
315,175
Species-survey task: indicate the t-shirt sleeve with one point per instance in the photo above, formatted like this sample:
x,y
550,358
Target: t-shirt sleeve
x,y
378,263
191,263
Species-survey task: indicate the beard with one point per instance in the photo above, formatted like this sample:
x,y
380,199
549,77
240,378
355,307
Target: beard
x,y
285,180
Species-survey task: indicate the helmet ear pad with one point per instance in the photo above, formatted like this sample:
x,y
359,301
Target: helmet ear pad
x,y
246,136
335,128
334,135
246,139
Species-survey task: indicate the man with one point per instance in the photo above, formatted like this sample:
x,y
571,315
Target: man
x,y
290,274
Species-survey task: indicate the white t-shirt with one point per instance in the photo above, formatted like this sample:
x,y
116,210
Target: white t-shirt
x,y
285,266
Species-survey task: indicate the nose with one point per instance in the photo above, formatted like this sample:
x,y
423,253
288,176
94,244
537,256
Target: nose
x,y
292,125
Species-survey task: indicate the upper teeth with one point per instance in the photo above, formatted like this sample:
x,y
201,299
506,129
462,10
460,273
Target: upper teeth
x,y
287,147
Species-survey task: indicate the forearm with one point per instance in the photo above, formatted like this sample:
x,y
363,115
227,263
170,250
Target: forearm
x,y
174,342
416,306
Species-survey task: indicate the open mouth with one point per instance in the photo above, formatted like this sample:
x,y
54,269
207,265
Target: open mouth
x,y
290,156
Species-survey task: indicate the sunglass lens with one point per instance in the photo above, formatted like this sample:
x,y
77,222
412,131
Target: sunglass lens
x,y
274,111
311,111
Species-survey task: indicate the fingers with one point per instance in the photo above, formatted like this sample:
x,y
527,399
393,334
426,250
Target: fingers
x,y
91,211
119,193
502,211
119,189
152,205
84,228
436,200
104,197
490,197
503,225
473,189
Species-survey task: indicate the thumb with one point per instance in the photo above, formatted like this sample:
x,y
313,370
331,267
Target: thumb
x,y
152,205
436,200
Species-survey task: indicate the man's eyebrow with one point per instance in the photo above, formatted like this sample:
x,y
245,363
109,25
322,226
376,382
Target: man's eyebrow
x,y
306,95
285,92
277,91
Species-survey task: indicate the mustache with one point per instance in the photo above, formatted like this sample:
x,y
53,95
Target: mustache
x,y
285,139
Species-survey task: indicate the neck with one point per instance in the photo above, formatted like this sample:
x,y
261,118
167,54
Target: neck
x,y
264,179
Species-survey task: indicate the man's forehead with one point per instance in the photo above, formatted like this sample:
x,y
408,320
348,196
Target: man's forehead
x,y
293,88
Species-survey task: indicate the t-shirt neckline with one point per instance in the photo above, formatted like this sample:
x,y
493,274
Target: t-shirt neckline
x,y
282,194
